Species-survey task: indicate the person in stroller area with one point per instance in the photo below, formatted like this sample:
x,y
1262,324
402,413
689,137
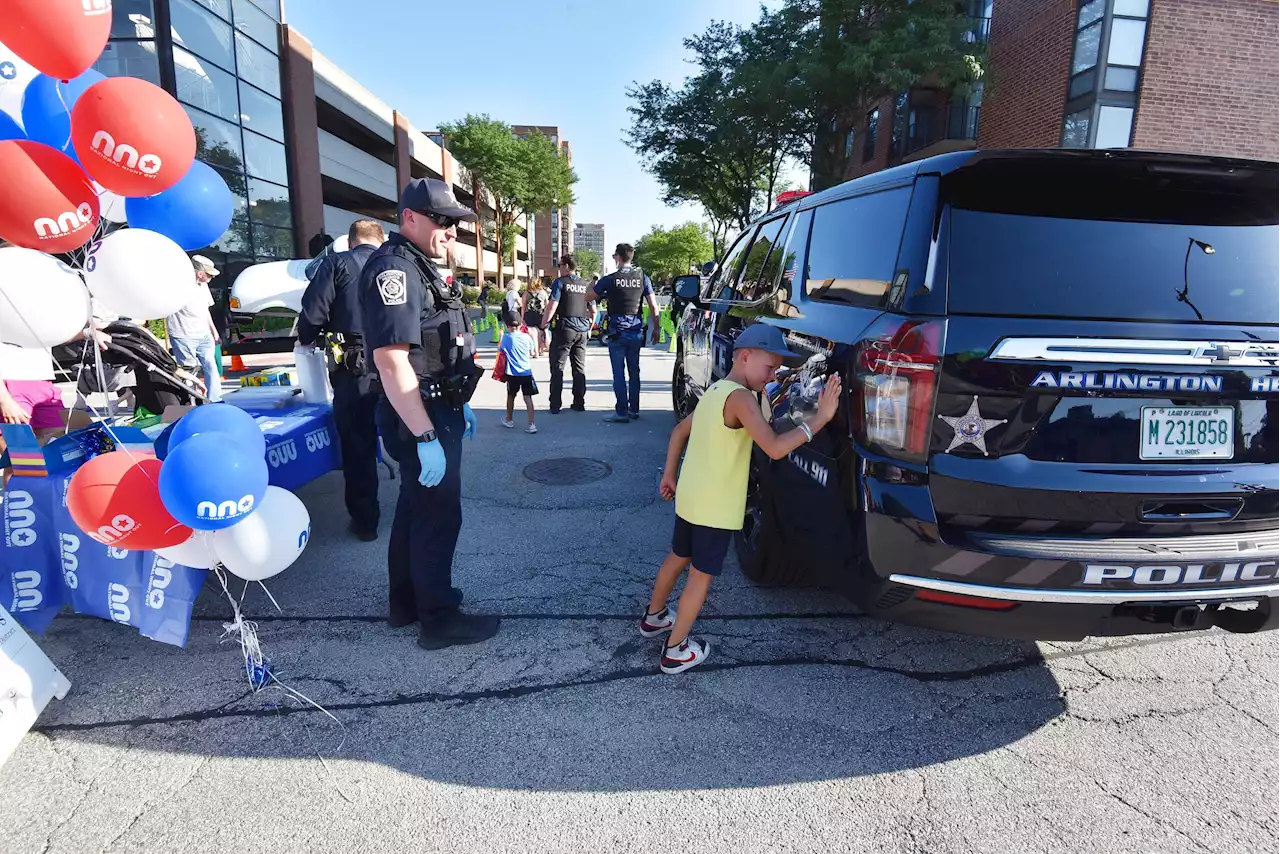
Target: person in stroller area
x,y
192,334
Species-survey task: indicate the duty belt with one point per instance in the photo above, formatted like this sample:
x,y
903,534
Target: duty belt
x,y
452,392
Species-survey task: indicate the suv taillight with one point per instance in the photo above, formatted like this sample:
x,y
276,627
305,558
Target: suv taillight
x,y
897,369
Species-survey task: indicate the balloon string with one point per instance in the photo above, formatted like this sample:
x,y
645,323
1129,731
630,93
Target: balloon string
x,y
57,87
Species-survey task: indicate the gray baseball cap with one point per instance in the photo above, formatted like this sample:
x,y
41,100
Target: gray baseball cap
x,y
432,196
760,336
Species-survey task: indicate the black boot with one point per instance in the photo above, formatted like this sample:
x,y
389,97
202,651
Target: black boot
x,y
399,621
454,628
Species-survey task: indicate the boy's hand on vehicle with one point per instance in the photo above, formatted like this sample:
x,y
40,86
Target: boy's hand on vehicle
x,y
829,400
668,486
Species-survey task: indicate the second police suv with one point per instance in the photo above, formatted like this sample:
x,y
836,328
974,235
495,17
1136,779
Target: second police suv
x,y
1062,391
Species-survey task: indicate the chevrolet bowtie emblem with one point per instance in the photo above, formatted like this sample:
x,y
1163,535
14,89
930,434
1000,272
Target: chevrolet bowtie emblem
x,y
1220,353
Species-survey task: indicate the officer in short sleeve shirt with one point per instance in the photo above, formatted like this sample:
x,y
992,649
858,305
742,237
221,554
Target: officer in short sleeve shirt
x,y
417,336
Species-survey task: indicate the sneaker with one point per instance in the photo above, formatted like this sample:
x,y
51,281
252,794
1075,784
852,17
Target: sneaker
x,y
689,653
532,428
454,628
509,424
652,625
615,418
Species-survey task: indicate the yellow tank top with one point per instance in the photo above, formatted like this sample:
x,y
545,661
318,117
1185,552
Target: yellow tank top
x,y
712,489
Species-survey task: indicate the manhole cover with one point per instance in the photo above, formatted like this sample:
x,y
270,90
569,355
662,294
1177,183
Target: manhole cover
x,y
568,471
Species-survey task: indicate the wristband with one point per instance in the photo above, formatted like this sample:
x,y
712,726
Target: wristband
x,y
807,432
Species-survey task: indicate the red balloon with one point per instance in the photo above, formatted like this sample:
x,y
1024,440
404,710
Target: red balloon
x,y
132,136
48,203
115,499
62,38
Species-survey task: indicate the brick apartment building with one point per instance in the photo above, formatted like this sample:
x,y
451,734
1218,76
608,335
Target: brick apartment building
x,y
553,229
1195,76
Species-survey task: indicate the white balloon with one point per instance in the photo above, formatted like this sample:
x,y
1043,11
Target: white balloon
x,y
268,541
110,205
196,552
140,274
43,302
15,74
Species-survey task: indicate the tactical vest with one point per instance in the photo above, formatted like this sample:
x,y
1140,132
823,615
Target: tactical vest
x,y
573,298
627,293
448,348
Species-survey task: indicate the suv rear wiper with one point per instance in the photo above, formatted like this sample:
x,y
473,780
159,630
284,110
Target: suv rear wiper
x,y
1186,281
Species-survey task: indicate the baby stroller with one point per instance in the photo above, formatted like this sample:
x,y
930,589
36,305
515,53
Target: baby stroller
x,y
158,380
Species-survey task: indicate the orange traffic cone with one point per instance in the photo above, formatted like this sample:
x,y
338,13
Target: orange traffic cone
x,y
237,364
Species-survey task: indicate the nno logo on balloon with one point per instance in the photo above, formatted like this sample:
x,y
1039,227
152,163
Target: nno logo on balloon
x,y
225,510
67,222
125,155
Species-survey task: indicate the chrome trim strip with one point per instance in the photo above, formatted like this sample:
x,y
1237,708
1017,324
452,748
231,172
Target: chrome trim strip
x,y
1217,547
1087,597
1138,351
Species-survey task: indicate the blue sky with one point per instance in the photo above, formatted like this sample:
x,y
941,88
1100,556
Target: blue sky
x,y
540,62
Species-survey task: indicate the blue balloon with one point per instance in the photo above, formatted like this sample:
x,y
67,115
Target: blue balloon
x,y
162,441
9,129
239,427
209,482
46,109
193,213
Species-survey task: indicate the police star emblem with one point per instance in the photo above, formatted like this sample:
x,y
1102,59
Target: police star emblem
x,y
971,428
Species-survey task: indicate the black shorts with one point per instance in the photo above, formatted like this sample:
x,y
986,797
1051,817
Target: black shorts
x,y
518,385
705,547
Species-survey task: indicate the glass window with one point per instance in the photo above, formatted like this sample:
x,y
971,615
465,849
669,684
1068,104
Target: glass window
x,y
256,24
869,145
1126,41
853,248
133,19
201,33
271,7
759,274
235,240
1075,130
1082,84
130,59
1133,8
1114,126
271,242
204,85
848,144
727,276
221,8
258,65
265,158
217,142
1086,48
235,182
269,203
899,120
1090,11
260,112
1122,79
795,249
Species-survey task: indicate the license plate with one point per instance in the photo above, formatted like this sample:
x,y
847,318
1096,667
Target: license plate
x,y
1188,432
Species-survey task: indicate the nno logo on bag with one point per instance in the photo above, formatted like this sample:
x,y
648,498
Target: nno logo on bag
x,y
118,602
282,453
66,223
318,439
26,591
161,576
69,545
19,518
120,527
225,510
125,155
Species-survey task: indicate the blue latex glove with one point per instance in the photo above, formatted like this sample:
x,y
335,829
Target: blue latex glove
x,y
431,458
470,418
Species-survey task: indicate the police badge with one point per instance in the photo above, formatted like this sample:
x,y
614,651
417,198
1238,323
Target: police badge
x,y
391,287
971,428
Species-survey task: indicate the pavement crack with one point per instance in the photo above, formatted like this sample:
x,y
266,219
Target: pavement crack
x,y
1153,818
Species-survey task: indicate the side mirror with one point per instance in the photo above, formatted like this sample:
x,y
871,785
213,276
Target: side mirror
x,y
689,288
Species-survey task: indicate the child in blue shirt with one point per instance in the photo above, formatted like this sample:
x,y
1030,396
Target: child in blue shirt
x,y
520,348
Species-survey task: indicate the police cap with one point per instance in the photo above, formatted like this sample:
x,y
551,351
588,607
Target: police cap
x,y
432,196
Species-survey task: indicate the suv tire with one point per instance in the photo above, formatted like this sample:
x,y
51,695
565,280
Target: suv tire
x,y
760,551
681,401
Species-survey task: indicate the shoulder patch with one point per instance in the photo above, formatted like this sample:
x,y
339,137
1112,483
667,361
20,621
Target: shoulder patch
x,y
392,288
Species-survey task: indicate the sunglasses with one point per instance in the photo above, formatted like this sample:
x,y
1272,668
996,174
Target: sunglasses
x,y
441,220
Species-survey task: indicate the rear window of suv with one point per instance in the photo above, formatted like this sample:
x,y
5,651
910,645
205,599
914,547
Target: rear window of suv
x,y
1116,241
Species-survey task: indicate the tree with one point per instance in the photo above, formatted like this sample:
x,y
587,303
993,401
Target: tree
x,y
667,253
525,175
588,261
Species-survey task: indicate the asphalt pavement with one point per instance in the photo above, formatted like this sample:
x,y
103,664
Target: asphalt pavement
x,y
810,729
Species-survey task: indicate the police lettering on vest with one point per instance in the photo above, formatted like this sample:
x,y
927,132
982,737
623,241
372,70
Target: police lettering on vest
x,y
627,293
573,298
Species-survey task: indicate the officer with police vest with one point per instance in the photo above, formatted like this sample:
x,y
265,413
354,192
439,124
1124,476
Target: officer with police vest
x,y
330,319
417,335
570,313
626,291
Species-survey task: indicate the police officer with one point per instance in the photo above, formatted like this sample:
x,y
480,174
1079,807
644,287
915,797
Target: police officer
x,y
331,319
570,313
626,291
416,333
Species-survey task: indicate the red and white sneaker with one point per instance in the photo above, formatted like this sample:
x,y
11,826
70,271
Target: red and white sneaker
x,y
652,625
688,653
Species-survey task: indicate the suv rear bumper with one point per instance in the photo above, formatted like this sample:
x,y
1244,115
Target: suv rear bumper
x,y
1034,588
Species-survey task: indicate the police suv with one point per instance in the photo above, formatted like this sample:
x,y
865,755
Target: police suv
x,y
1062,391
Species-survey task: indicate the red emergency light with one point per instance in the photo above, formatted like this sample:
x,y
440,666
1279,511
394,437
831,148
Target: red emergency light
x,y
790,196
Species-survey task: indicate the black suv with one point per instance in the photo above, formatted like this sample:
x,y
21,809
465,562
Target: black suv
x,y
1062,391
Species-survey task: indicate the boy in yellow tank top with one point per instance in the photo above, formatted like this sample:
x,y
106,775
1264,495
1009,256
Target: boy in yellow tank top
x,y
711,495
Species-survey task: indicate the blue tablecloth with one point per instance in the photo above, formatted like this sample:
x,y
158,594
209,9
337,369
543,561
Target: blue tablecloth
x,y
301,443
